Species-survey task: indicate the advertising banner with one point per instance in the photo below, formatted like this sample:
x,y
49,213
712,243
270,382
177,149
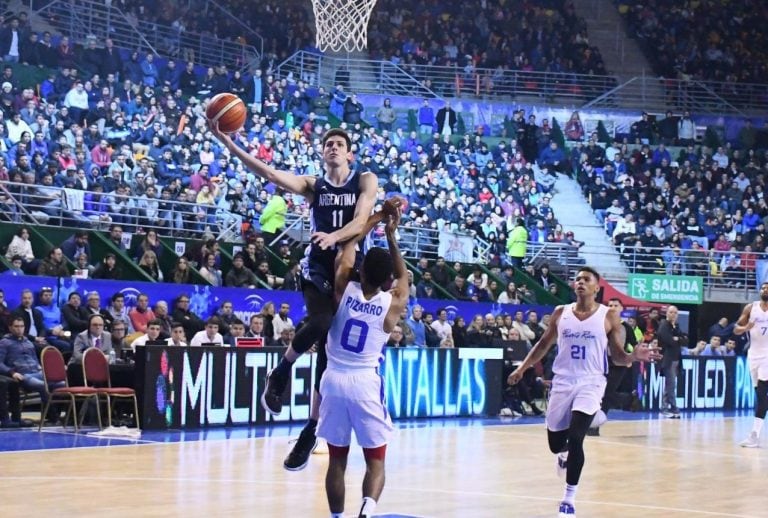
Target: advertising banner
x,y
703,383
201,387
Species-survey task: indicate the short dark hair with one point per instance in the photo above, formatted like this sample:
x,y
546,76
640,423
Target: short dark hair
x,y
237,322
591,270
155,322
174,325
338,132
118,295
377,266
213,321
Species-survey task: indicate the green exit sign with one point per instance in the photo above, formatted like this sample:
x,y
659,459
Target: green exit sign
x,y
674,289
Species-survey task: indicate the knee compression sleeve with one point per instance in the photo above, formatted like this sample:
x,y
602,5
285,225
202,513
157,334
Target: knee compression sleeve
x,y
321,362
557,441
761,402
338,451
375,453
576,432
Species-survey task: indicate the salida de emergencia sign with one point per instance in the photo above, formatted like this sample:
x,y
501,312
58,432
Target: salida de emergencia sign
x,y
675,289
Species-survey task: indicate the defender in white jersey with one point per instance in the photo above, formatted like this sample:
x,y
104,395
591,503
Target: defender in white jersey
x,y
584,331
754,319
352,388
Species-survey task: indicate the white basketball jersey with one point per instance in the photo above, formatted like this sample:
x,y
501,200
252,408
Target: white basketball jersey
x,y
357,338
758,335
582,346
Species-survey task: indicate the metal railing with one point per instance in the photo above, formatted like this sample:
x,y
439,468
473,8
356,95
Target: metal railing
x,y
78,19
734,270
59,207
254,38
576,90
414,242
365,76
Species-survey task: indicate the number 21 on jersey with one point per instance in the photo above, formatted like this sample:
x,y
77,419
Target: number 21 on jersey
x,y
578,352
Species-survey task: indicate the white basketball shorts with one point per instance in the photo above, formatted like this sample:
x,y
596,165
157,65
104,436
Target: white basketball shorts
x,y
758,369
353,400
569,394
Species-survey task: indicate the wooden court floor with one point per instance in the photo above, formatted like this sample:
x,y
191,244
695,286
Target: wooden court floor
x,y
646,468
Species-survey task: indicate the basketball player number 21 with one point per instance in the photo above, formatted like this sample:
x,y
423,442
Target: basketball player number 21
x,y
578,352
353,335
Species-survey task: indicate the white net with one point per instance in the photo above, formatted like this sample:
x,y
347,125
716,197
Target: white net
x,y
342,24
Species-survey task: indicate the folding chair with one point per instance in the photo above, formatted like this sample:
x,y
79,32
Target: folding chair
x,y
96,373
55,371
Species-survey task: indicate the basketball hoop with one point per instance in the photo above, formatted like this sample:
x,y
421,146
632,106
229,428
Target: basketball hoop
x,y
342,24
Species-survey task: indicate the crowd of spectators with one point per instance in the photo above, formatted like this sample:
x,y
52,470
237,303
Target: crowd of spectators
x,y
541,36
128,143
712,40
699,211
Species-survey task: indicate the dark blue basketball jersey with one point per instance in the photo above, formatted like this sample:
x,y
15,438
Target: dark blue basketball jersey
x,y
332,207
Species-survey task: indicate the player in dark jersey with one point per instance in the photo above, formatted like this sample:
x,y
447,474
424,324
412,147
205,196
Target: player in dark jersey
x,y
340,203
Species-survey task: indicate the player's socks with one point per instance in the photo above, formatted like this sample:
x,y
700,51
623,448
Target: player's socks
x,y
757,426
368,507
337,515
561,464
570,494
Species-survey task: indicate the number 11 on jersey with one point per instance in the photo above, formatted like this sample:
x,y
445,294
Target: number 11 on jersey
x,y
338,218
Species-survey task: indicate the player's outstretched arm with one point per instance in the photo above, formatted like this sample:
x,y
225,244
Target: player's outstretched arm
x,y
399,289
301,185
539,350
345,265
365,202
345,258
743,324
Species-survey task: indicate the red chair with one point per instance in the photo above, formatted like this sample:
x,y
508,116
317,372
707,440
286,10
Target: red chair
x,y
96,373
55,371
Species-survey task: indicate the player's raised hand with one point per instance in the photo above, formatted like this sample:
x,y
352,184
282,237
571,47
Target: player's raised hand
x,y
393,204
392,221
213,125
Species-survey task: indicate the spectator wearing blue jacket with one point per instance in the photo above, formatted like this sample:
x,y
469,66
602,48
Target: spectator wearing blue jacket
x,y
552,157
76,245
417,326
149,71
426,118
661,153
18,360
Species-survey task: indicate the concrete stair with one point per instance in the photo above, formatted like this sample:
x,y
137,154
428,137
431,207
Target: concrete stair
x,y
575,214
605,27
38,23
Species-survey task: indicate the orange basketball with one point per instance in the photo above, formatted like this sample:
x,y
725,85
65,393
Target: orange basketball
x,y
229,110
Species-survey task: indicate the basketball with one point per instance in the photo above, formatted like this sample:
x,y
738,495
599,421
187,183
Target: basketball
x,y
229,110
391,205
